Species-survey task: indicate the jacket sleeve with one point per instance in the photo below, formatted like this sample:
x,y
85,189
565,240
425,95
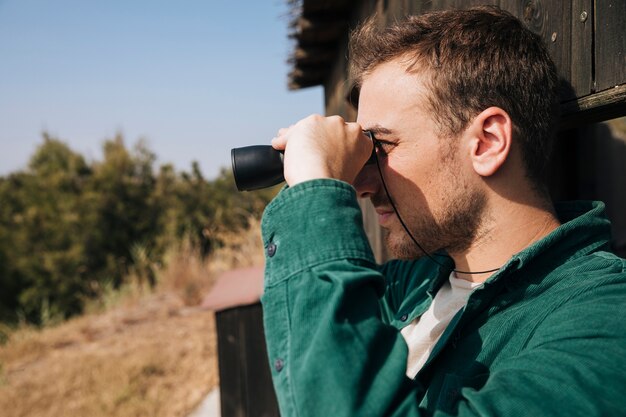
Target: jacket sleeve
x,y
329,351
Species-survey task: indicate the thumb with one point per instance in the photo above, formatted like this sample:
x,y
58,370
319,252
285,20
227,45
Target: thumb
x,y
280,141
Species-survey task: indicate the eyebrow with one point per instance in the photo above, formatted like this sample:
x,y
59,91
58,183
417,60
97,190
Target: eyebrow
x,y
379,130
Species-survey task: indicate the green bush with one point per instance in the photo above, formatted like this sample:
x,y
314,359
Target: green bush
x,y
69,227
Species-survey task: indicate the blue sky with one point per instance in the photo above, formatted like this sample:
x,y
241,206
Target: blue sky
x,y
194,78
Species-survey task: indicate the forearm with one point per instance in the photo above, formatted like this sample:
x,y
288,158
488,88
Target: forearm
x,y
331,354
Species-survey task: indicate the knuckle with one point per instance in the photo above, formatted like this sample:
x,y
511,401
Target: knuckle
x,y
336,119
353,128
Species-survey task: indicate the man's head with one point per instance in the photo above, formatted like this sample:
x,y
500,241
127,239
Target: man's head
x,y
455,97
471,60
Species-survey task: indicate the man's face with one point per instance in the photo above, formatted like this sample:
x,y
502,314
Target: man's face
x,y
430,181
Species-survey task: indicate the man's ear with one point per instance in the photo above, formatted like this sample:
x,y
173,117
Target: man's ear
x,y
490,135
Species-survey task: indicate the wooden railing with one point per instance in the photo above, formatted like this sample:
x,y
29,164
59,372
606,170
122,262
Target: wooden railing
x,y
245,381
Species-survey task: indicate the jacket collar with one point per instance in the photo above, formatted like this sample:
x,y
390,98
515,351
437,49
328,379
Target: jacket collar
x,y
584,229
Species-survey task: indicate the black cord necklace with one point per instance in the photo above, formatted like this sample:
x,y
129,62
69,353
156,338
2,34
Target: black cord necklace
x,y
377,145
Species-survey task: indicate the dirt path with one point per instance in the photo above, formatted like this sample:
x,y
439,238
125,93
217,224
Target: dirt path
x,y
156,357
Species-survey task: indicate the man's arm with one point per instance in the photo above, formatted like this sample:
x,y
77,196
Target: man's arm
x,y
329,350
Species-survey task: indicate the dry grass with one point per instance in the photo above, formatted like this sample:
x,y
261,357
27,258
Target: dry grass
x,y
191,277
146,354
128,361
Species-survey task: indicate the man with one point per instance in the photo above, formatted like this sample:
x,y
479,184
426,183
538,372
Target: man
x,y
498,304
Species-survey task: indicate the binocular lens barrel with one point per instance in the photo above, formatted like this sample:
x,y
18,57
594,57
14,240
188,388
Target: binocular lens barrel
x,y
256,167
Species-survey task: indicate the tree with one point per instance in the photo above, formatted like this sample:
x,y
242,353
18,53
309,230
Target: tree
x,y
69,227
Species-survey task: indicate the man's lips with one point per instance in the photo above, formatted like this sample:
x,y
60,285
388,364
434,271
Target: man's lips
x,y
384,214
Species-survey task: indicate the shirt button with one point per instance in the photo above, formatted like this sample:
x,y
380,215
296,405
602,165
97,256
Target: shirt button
x,y
278,365
271,249
404,317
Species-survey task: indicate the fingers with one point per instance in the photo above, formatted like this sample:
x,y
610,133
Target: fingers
x,y
322,147
279,142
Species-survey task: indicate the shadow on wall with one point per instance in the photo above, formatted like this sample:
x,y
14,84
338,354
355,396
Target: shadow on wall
x,y
589,163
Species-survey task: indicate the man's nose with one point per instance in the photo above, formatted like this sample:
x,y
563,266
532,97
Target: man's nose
x,y
367,181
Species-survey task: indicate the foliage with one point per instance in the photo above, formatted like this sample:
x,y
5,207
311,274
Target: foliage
x,y
69,227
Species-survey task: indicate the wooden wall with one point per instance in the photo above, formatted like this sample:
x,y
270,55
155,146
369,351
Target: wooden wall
x,y
587,40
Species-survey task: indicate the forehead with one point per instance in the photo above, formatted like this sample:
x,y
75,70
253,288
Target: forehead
x,y
390,94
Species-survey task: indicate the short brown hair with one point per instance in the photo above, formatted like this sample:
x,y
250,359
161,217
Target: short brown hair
x,y
474,59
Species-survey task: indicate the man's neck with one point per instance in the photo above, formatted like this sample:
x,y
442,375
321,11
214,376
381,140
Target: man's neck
x,y
509,228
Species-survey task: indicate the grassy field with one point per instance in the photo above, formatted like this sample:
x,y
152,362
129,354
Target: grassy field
x,y
137,353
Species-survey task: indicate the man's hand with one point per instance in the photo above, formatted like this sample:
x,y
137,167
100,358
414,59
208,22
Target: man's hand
x,y
323,147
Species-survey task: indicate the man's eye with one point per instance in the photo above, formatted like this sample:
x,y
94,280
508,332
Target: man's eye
x,y
383,147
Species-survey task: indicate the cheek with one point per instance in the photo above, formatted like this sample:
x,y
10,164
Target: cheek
x,y
405,182
410,173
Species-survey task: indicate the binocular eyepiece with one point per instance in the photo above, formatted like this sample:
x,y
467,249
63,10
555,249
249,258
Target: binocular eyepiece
x,y
261,166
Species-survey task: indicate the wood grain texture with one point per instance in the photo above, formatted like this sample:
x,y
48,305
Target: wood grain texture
x,y
594,108
395,9
610,41
581,66
246,388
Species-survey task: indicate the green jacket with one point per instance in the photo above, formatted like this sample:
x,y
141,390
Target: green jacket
x,y
545,335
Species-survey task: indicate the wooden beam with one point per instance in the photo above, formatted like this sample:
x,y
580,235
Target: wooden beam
x,y
304,56
309,72
320,30
594,108
298,84
325,6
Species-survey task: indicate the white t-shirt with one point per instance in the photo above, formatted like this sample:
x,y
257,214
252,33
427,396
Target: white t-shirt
x,y
422,334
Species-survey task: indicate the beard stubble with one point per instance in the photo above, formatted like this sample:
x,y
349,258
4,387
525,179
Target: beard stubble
x,y
453,228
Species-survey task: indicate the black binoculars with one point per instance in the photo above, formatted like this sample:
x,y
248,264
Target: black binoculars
x,y
261,166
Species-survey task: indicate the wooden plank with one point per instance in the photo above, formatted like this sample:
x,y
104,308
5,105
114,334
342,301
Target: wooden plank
x,y
246,388
610,41
420,6
460,4
261,398
581,66
337,88
588,164
605,105
395,10
230,366
552,21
